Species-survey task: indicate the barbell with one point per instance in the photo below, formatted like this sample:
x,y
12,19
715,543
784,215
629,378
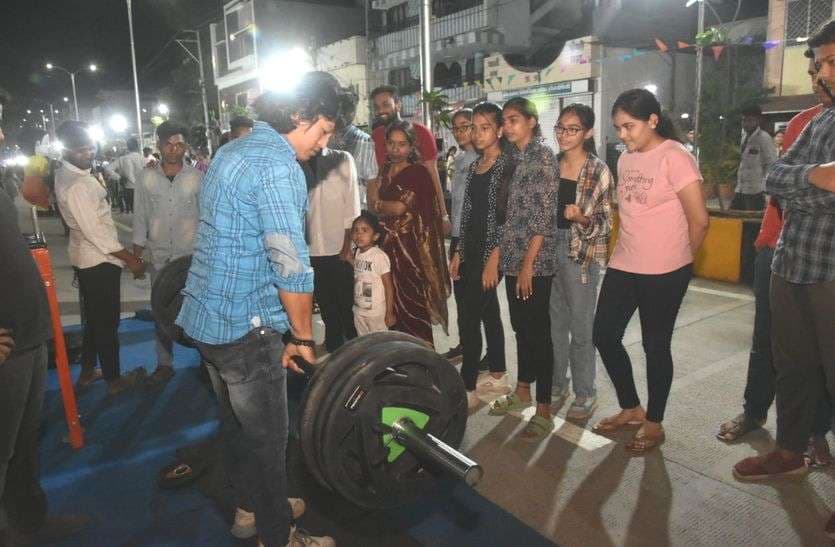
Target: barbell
x,y
380,418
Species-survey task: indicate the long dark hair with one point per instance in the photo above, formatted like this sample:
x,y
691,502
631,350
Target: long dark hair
x,y
408,129
526,108
494,110
586,116
641,104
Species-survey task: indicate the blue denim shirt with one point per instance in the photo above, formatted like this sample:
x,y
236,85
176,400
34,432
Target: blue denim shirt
x,y
250,241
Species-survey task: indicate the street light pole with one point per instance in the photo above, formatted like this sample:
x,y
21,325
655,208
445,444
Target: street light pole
x,y
425,58
699,56
135,76
74,95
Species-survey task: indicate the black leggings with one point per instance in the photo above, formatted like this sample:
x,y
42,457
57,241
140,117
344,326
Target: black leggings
x,y
658,298
477,306
531,322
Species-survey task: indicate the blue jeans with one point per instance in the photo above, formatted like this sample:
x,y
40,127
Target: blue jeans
x,y
572,321
251,389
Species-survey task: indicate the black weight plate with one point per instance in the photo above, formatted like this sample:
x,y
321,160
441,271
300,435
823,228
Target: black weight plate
x,y
353,457
321,384
167,298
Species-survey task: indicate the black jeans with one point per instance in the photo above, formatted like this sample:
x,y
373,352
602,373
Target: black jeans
x,y
531,322
22,380
101,302
251,389
333,288
802,327
479,306
658,299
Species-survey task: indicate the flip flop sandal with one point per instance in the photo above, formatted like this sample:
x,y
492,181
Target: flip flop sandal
x,y
508,403
609,424
732,430
537,429
180,473
641,444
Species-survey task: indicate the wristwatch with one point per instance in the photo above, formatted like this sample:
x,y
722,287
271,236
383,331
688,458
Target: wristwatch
x,y
288,338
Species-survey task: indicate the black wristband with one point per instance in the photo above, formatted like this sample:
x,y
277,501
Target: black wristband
x,y
288,338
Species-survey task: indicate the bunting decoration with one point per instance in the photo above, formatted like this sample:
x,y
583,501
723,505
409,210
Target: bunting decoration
x,y
717,52
661,45
682,45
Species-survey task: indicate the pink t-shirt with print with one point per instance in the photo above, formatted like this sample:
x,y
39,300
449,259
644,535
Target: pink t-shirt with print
x,y
654,236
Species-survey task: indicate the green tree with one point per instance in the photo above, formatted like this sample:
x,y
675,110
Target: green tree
x,y
438,104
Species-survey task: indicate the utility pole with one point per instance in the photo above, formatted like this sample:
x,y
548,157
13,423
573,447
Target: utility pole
x,y
199,60
426,58
135,76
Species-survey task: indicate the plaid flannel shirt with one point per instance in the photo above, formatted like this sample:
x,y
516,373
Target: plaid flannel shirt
x,y
805,253
594,198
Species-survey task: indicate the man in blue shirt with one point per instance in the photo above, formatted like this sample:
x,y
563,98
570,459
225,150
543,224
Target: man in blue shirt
x,y
250,281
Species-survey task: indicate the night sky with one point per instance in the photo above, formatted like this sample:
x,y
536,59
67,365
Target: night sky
x,y
74,33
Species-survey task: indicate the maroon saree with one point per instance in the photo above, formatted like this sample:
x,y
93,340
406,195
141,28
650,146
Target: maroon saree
x,y
415,247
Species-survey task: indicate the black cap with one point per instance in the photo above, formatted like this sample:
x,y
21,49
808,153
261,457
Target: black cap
x,y
74,134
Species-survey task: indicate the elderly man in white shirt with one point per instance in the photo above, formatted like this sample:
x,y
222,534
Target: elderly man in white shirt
x,y
96,254
129,166
165,220
333,204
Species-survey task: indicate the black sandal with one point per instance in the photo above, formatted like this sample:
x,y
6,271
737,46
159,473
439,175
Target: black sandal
x,y
734,429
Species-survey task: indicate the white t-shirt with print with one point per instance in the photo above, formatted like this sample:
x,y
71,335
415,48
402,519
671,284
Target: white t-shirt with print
x,y
369,292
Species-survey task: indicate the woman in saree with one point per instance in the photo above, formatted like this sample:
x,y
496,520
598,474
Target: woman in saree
x,y
404,199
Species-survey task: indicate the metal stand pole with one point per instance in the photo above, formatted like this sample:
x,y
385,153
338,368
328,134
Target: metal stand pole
x,y
74,95
203,93
699,56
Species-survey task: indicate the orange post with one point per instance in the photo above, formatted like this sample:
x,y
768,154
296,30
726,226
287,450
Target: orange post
x,y
41,256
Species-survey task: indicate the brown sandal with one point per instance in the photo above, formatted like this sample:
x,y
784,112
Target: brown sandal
x,y
611,424
641,443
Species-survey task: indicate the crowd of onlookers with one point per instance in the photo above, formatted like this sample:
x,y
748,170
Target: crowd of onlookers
x,y
304,202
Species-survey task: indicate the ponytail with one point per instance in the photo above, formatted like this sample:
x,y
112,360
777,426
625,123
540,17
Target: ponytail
x,y
641,104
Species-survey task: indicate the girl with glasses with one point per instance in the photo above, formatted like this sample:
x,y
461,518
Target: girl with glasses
x,y
584,221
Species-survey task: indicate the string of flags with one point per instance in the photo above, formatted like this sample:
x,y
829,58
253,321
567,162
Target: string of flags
x,y
717,49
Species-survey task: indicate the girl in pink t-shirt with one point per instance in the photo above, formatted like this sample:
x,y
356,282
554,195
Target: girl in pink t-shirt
x,y
663,221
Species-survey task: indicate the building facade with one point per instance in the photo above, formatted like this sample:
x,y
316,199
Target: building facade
x,y
253,31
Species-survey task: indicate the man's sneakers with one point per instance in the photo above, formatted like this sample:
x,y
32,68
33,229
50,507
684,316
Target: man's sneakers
x,y
244,526
771,465
161,376
488,383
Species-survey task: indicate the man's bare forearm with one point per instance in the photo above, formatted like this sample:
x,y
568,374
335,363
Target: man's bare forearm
x,y
299,308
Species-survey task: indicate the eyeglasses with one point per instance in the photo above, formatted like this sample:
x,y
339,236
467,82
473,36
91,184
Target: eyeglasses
x,y
570,131
463,128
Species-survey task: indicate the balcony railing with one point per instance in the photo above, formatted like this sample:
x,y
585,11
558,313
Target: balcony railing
x,y
467,20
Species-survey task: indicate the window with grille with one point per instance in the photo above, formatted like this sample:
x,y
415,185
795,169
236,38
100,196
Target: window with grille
x,y
806,16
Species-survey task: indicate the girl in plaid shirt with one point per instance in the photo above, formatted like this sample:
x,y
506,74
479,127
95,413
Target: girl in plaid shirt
x,y
584,222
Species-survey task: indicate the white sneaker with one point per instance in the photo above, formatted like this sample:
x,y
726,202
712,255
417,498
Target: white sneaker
x,y
486,382
302,538
473,401
244,526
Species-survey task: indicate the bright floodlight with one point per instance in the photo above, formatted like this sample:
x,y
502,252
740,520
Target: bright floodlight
x,y
685,115
66,99
283,71
93,67
118,123
652,88
49,66
96,133
690,3
28,111
162,108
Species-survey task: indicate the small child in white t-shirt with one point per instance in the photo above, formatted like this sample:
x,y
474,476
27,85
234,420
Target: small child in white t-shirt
x,y
373,286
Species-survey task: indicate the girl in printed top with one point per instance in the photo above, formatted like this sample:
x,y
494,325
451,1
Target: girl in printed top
x,y
584,221
479,236
528,259
663,221
373,288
